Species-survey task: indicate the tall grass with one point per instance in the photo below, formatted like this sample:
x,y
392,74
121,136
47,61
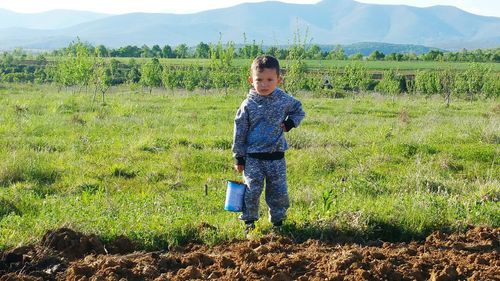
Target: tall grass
x,y
368,166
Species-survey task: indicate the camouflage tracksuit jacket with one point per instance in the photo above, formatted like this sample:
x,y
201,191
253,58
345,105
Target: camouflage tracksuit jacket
x,y
257,124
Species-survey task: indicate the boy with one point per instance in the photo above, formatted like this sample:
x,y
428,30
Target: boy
x,y
259,143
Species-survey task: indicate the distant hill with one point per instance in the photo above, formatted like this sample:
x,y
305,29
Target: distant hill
x,y
273,23
367,48
55,19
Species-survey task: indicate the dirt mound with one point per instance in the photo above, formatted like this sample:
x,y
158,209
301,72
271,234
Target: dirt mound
x,y
68,255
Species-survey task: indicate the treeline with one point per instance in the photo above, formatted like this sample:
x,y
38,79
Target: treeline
x,y
202,50
82,68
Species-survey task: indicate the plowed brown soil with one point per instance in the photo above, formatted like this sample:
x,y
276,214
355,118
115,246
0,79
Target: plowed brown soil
x,y
68,255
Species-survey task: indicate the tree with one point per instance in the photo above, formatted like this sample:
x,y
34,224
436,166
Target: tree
x,y
117,75
446,80
192,76
146,52
357,56
101,78
314,52
390,83
476,76
73,47
433,55
273,51
338,53
151,73
169,77
491,86
294,79
357,77
133,74
221,65
167,52
156,51
101,51
249,51
427,83
127,51
202,51
84,64
394,57
76,68
376,55
181,51
282,54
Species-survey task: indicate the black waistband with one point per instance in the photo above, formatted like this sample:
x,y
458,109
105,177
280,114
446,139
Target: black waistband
x,y
268,155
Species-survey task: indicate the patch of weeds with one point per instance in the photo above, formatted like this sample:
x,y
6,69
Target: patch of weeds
x,y
158,145
78,119
475,153
122,172
490,136
390,231
435,187
365,186
158,177
490,195
223,144
11,174
449,164
188,233
328,199
183,142
353,221
43,191
68,107
7,207
346,143
330,165
103,112
187,143
301,140
496,109
44,146
428,149
21,109
404,116
91,188
197,146
148,240
83,144
203,162
176,185
375,176
19,171
43,175
409,150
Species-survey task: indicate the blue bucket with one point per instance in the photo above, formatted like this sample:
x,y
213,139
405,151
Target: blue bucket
x,y
235,193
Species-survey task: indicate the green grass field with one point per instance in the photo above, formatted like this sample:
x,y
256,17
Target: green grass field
x,y
366,166
402,66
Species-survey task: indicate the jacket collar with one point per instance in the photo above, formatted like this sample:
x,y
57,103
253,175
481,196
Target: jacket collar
x,y
252,94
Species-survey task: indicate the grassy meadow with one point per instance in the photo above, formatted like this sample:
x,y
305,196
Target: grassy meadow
x,y
154,166
374,66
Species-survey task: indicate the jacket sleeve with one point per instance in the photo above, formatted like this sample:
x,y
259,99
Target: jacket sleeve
x,y
241,126
295,114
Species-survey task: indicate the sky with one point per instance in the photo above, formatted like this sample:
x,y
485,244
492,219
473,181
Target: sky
x,y
481,7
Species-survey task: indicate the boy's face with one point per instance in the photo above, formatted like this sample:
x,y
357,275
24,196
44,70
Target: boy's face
x,y
265,81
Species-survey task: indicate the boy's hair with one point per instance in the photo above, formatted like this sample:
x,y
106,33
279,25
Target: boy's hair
x,y
265,61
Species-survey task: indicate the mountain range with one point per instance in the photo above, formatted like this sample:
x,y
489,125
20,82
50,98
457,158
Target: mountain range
x,y
269,23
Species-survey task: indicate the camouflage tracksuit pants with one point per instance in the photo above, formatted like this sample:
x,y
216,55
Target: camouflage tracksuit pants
x,y
274,174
